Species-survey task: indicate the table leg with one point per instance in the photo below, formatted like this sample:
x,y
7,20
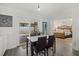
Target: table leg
x,y
32,49
54,47
47,52
27,47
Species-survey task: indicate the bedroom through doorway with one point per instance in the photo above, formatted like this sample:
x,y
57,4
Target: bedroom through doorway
x,y
63,34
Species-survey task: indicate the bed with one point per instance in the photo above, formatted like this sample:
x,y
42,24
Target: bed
x,y
63,31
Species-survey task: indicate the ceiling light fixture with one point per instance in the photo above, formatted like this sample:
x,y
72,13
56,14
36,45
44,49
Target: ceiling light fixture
x,y
38,7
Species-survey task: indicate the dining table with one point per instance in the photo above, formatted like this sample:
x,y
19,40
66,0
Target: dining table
x,y
33,40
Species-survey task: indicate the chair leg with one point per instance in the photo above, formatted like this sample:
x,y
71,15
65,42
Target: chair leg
x,y
47,52
36,54
32,50
53,51
54,48
44,52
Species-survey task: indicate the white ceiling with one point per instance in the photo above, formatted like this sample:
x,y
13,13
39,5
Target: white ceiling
x,y
46,9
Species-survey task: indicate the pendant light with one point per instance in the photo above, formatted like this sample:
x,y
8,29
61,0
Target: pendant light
x,y
38,7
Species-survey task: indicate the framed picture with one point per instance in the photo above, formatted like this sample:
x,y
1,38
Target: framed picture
x,y
5,21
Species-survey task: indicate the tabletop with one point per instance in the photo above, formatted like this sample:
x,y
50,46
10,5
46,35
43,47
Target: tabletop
x,y
35,38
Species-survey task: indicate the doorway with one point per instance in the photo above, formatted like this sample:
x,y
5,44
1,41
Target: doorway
x,y
63,34
44,25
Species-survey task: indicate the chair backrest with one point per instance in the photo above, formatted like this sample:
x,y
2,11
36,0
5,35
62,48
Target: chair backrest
x,y
51,41
41,43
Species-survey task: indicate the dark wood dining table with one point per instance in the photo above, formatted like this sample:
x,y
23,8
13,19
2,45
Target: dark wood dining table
x,y
33,40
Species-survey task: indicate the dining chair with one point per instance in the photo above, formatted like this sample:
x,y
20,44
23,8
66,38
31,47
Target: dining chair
x,y
41,45
51,44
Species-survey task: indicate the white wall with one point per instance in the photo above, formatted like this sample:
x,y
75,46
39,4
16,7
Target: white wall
x,y
75,16
2,45
76,33
60,22
9,37
51,26
11,34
